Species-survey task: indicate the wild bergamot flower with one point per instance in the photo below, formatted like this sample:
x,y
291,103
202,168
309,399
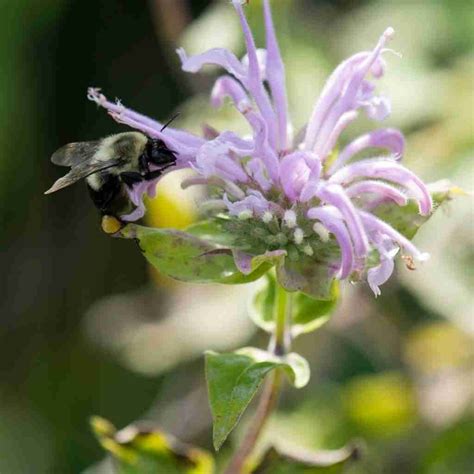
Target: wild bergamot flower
x,y
295,197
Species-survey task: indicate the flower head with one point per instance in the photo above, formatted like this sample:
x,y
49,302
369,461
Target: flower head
x,y
275,194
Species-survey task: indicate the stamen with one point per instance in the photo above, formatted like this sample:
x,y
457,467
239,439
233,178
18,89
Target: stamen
x,y
298,236
322,232
290,219
267,217
308,250
213,205
245,215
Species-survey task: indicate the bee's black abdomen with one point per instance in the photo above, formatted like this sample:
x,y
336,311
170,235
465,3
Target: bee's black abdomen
x,y
104,198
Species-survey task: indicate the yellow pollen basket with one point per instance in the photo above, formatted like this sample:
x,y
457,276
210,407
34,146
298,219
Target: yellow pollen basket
x,y
111,225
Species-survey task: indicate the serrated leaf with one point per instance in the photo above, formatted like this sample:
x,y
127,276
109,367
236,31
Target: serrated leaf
x,y
145,450
308,313
407,219
234,378
277,461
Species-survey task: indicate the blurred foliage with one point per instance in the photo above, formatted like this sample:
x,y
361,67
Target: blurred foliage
x,y
84,329
304,462
140,450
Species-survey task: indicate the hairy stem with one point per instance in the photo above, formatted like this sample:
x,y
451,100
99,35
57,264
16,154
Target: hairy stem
x,y
280,345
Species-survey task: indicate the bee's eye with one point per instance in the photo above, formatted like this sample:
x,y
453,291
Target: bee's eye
x,y
159,154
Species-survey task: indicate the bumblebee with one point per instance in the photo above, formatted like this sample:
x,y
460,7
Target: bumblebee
x,y
111,165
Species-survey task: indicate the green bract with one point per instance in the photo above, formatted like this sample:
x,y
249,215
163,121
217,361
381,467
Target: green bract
x,y
202,255
407,219
207,252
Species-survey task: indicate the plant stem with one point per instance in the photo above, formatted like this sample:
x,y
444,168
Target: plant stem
x,y
279,345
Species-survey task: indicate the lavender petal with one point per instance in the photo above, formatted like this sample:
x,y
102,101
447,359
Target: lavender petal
x,y
388,138
117,110
381,189
217,56
294,174
226,86
254,80
275,72
376,225
389,170
337,227
335,195
340,94
380,274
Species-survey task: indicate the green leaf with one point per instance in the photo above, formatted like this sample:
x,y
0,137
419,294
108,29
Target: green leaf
x,y
309,314
234,378
307,462
407,219
261,308
180,255
212,231
188,257
145,450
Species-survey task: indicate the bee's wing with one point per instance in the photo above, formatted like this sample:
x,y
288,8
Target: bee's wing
x,y
73,154
82,170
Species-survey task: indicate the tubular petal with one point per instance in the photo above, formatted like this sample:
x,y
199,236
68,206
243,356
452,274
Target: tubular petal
x,y
262,148
227,86
254,202
254,80
276,77
388,138
389,170
330,93
380,274
338,228
340,94
344,121
376,225
214,159
217,56
335,195
118,110
294,174
379,188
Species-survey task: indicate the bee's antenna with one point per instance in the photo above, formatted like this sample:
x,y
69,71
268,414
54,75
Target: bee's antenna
x,y
169,121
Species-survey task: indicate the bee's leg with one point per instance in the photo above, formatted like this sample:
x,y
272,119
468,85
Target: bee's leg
x,y
143,163
131,177
157,173
153,174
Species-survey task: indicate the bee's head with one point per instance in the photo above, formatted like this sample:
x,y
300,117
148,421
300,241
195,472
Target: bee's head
x,y
157,152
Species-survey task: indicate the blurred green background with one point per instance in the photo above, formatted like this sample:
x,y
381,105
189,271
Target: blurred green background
x,y
86,328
